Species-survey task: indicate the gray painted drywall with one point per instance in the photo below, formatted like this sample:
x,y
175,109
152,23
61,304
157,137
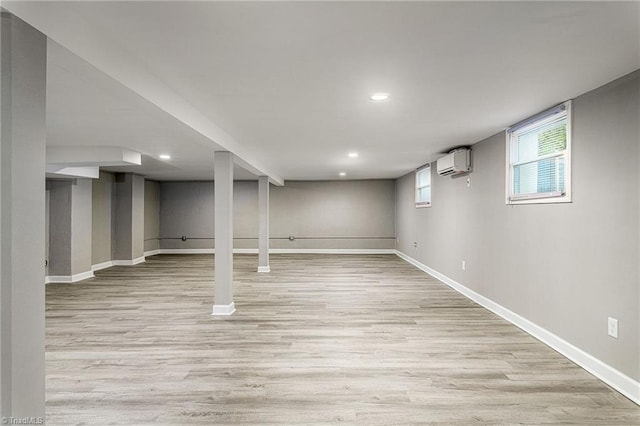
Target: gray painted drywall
x,y
137,233
102,219
47,199
565,267
187,208
151,215
22,221
122,242
346,209
70,220
60,228
129,217
81,226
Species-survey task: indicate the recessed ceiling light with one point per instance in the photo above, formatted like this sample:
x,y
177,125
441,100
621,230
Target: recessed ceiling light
x,y
343,174
165,156
353,155
379,97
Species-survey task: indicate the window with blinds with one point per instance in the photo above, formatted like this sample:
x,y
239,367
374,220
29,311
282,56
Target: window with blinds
x,y
539,160
423,186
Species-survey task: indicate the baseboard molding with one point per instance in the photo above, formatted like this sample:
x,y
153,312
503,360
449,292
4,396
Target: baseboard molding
x,y
100,266
275,251
186,251
66,279
244,251
128,262
332,251
151,252
614,378
224,310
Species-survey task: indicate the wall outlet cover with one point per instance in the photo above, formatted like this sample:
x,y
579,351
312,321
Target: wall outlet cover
x,y
612,324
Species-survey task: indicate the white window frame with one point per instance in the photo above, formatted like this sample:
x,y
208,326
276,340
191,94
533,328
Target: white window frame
x,y
419,202
524,126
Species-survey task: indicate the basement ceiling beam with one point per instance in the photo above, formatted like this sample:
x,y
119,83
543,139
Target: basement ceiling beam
x,y
74,33
92,156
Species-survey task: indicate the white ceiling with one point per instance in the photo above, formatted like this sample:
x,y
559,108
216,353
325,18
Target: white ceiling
x,y
86,107
285,85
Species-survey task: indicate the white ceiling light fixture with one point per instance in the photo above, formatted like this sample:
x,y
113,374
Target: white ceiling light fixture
x,y
353,155
379,97
165,156
342,174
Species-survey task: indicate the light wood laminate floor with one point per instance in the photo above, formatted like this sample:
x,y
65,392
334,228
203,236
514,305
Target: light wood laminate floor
x,y
320,339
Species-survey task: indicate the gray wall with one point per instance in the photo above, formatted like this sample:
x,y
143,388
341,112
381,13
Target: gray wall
x,y
133,216
360,214
60,228
47,199
574,271
186,208
137,234
129,217
22,224
151,215
81,226
70,206
103,218
350,210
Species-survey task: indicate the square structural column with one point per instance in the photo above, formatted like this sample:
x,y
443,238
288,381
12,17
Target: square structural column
x,y
223,211
70,217
263,225
22,218
129,224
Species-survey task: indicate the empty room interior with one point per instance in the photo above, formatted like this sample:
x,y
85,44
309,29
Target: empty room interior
x,y
320,212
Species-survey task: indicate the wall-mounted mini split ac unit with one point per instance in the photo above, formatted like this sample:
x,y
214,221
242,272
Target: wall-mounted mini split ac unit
x,y
454,163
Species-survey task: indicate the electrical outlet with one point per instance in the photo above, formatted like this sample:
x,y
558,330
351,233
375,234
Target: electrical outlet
x,y
613,327
464,265
468,182
415,244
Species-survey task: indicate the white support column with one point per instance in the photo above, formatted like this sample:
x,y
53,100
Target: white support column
x,y
22,223
263,226
223,211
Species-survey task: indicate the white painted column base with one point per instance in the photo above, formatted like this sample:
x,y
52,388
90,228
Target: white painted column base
x,y
264,268
224,309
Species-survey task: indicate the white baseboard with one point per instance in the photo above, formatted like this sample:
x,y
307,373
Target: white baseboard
x,y
224,309
59,279
614,378
264,269
56,279
128,262
186,251
275,251
151,252
103,265
332,251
